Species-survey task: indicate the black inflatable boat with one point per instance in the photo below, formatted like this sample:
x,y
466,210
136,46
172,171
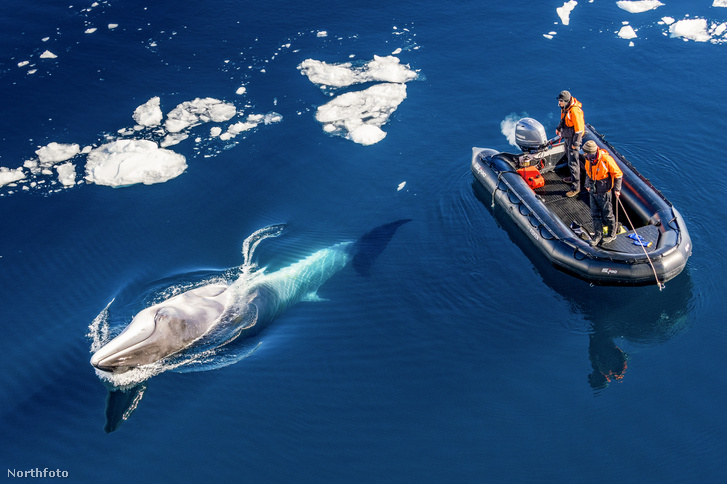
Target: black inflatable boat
x,y
652,245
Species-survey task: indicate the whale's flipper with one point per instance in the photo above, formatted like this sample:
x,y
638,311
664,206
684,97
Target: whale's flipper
x,y
370,246
120,404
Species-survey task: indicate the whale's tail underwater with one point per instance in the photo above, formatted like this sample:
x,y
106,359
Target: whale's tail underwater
x,y
214,314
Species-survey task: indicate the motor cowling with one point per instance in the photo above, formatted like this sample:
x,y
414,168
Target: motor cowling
x,y
530,134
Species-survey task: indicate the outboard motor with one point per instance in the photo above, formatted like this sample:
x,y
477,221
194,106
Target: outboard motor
x,y
538,150
530,135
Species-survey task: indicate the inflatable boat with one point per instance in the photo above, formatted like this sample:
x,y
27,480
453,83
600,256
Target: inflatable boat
x,y
652,243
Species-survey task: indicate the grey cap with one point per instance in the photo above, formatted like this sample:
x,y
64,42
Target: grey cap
x,y
564,96
590,146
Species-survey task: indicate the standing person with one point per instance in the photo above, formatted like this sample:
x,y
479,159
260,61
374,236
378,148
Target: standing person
x,y
603,176
571,128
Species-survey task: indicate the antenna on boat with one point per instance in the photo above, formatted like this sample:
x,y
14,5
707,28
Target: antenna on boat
x,y
658,282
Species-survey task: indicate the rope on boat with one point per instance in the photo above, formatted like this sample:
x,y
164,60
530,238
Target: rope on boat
x,y
658,282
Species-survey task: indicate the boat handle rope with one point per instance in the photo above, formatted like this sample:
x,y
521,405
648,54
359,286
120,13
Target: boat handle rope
x,y
530,214
656,276
497,183
578,250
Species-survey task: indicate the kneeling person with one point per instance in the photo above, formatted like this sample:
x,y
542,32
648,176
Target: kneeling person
x,y
603,176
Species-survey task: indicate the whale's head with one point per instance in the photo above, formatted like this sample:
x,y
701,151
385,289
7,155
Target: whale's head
x,y
162,330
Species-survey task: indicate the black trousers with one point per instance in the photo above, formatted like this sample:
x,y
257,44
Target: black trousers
x,y
602,212
573,163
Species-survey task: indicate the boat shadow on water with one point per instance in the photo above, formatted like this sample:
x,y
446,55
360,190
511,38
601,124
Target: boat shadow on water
x,y
642,315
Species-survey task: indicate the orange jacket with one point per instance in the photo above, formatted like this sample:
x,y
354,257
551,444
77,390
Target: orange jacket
x,y
572,116
603,167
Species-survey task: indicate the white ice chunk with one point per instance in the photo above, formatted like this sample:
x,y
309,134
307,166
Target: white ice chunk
x,y
127,162
67,174
627,32
91,30
236,129
113,26
192,113
564,11
251,122
23,63
322,33
383,69
48,55
358,115
173,139
241,90
401,185
719,3
694,29
57,152
638,6
667,20
8,175
149,113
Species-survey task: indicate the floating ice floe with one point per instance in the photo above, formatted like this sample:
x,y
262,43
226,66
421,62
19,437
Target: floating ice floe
x,y
719,3
8,176
564,11
66,174
193,113
358,115
252,121
149,113
627,32
57,152
380,69
128,162
48,55
91,30
690,29
638,6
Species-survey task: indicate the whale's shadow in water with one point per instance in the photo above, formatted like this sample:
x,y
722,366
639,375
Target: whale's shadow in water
x,y
122,401
643,316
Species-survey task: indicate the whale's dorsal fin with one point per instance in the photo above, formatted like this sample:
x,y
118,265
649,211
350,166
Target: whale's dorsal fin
x,y
370,246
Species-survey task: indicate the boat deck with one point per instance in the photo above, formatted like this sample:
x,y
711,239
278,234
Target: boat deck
x,y
577,209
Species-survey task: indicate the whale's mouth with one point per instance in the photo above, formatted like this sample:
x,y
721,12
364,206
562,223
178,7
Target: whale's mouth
x,y
112,356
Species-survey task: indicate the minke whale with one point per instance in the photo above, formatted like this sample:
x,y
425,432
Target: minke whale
x,y
243,307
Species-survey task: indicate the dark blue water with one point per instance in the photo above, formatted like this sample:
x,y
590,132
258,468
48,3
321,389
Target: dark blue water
x,y
461,357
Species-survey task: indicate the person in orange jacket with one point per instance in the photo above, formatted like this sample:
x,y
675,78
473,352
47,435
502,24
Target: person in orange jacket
x,y
571,129
603,176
